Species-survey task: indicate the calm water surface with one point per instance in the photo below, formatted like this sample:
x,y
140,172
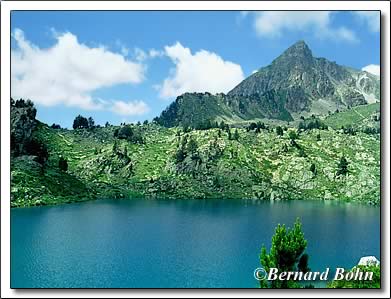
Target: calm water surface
x,y
176,243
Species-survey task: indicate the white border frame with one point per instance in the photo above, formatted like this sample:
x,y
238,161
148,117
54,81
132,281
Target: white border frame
x,y
7,6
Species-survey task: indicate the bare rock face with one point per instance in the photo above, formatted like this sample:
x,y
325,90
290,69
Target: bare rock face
x,y
22,125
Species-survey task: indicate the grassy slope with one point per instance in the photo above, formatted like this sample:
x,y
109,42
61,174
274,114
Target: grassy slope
x,y
261,166
357,116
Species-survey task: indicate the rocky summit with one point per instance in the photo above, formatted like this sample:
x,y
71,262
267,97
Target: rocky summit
x,y
295,84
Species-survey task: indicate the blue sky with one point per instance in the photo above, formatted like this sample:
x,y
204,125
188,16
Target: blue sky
x,y
128,66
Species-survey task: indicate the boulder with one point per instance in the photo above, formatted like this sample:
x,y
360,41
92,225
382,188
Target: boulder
x,y
369,261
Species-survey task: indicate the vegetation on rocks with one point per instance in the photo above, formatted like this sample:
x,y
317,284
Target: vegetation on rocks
x,y
257,164
375,283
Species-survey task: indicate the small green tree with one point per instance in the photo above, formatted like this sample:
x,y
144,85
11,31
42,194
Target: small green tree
x,y
55,126
236,135
91,122
126,132
302,153
222,125
80,122
342,168
293,135
125,151
180,155
115,146
63,164
192,146
313,169
229,134
286,254
279,131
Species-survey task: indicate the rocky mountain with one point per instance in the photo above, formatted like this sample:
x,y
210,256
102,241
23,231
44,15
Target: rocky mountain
x,y
295,84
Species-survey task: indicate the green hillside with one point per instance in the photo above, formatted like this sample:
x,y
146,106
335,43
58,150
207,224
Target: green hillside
x,y
198,164
359,116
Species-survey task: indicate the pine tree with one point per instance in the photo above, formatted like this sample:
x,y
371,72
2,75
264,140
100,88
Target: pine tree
x,y
236,135
342,168
286,254
313,169
91,122
63,164
279,131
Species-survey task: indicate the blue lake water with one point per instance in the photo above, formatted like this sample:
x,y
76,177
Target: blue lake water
x,y
177,243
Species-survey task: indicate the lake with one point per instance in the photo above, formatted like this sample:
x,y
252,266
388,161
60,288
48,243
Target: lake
x,y
177,243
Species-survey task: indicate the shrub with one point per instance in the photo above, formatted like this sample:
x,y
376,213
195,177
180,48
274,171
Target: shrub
x,y
37,148
293,135
63,164
192,146
236,135
55,126
313,168
342,168
130,134
314,123
180,155
279,131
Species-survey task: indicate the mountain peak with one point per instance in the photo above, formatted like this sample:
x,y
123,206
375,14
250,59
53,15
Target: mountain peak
x,y
295,84
298,49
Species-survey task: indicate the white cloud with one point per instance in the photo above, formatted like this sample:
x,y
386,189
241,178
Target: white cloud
x,y
129,108
274,24
202,71
67,72
155,53
140,55
342,33
372,18
124,51
372,68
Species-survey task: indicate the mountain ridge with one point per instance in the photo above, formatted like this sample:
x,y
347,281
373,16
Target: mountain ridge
x,y
295,84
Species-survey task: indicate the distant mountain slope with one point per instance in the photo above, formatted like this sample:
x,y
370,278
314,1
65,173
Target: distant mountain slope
x,y
311,82
294,84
